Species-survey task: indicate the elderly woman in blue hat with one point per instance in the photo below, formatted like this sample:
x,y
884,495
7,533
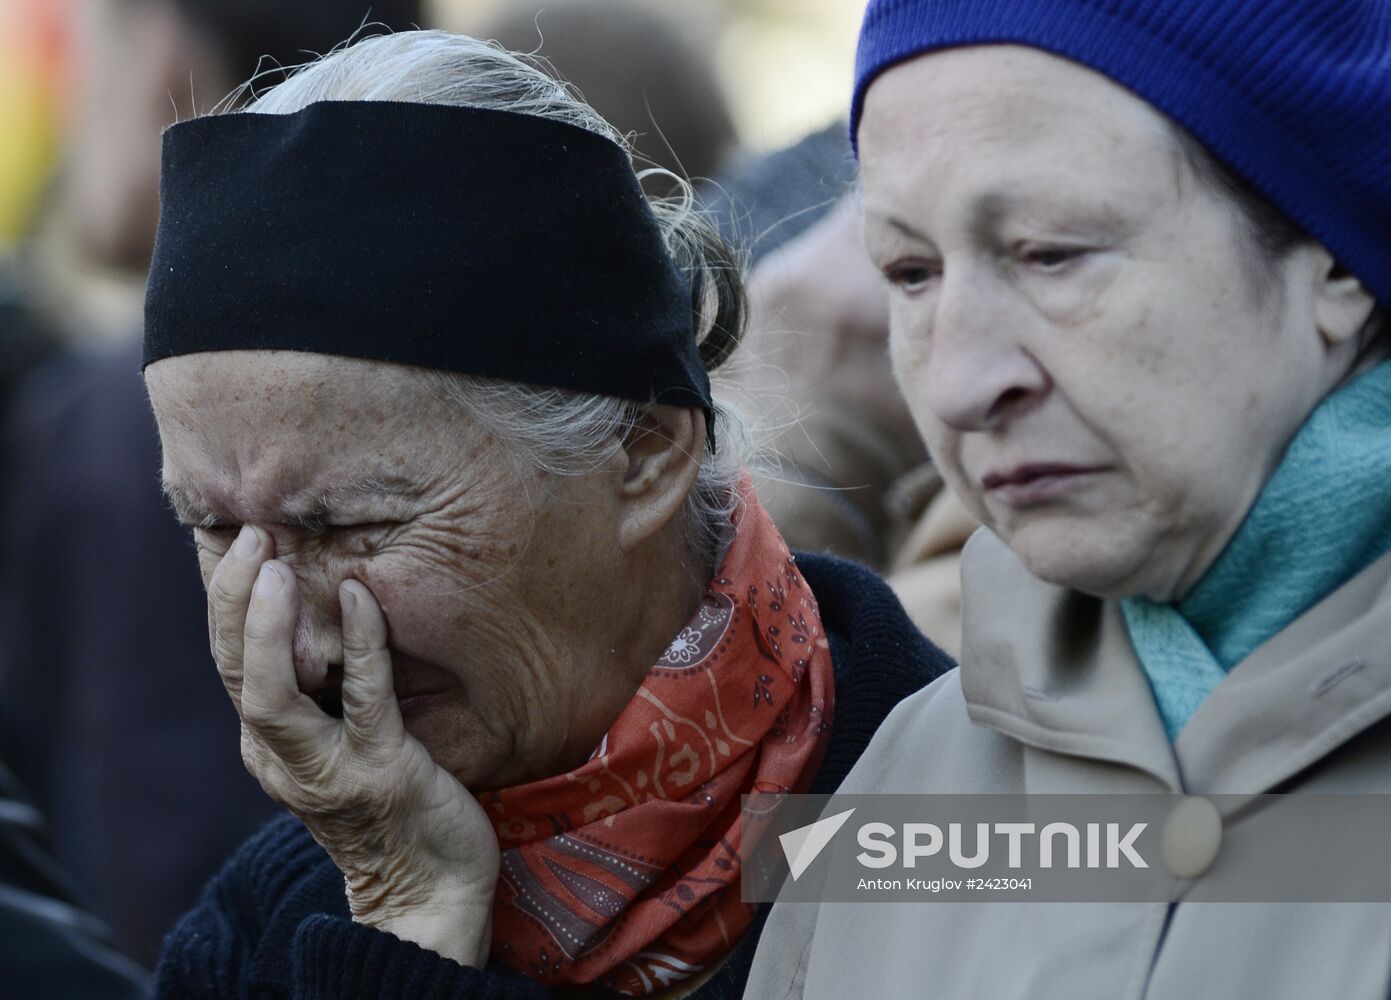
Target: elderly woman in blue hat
x,y
1139,258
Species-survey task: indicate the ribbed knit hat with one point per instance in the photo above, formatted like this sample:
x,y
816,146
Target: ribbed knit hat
x,y
1294,95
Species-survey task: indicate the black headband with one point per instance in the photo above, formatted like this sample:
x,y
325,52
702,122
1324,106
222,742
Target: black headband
x,y
462,239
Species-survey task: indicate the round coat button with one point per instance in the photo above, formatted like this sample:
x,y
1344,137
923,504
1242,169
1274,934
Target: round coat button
x,y
1192,837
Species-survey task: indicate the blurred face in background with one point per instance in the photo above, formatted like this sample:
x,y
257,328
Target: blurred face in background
x,y
139,67
1098,368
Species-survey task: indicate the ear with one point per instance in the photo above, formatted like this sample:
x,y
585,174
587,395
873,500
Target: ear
x,y
1342,306
663,454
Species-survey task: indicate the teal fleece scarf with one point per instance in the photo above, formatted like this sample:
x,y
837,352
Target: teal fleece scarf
x,y
1324,516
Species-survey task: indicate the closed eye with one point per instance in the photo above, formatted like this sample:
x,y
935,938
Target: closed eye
x,y
910,275
214,534
363,527
1051,259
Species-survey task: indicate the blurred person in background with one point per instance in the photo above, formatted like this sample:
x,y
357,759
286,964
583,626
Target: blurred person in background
x,y
846,471
851,475
108,717
33,76
634,65
50,947
137,66
507,629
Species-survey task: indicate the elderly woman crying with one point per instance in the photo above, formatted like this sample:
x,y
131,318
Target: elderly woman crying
x,y
508,633
1139,260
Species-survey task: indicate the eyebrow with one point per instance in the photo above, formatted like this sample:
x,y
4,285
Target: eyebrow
x,y
306,509
310,510
894,222
988,212
186,509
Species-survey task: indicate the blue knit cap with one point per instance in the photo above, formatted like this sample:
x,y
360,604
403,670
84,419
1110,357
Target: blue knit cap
x,y
1294,95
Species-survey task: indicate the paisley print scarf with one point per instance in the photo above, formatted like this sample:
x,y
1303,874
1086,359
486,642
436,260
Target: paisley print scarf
x,y
625,872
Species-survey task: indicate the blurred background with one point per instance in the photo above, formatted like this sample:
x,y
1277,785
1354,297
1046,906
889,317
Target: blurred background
x,y
784,66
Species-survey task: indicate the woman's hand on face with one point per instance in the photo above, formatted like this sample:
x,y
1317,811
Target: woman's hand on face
x,y
418,852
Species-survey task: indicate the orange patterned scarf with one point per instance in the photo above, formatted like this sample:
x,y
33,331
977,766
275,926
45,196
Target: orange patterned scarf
x,y
625,871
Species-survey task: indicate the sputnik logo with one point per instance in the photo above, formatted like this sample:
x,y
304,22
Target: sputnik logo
x,y
803,845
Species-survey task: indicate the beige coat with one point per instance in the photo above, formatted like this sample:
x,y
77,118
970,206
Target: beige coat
x,y
925,572
1050,698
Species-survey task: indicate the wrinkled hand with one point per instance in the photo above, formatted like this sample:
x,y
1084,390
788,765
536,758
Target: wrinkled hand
x,y
416,849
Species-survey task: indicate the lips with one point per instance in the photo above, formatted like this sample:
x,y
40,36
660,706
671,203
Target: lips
x,y
418,683
1035,482
415,683
407,693
416,703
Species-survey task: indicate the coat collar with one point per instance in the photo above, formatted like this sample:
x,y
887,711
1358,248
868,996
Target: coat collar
x,y
1054,669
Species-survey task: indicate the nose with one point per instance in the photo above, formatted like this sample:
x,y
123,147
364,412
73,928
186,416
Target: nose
x,y
318,642
977,372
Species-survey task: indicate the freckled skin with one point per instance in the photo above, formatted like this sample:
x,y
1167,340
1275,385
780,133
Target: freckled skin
x,y
511,595
1148,348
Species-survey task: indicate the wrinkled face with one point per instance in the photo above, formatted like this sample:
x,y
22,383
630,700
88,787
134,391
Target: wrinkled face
x,y
492,580
1096,364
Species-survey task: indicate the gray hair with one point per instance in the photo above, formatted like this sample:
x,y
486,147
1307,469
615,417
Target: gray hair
x,y
556,430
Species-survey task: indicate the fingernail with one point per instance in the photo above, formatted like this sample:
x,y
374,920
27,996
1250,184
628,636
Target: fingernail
x,y
347,598
247,543
269,580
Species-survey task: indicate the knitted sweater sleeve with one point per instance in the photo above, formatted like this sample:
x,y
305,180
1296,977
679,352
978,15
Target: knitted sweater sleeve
x,y
337,959
262,928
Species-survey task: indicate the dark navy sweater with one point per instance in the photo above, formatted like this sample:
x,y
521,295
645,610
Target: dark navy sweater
x,y
275,924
